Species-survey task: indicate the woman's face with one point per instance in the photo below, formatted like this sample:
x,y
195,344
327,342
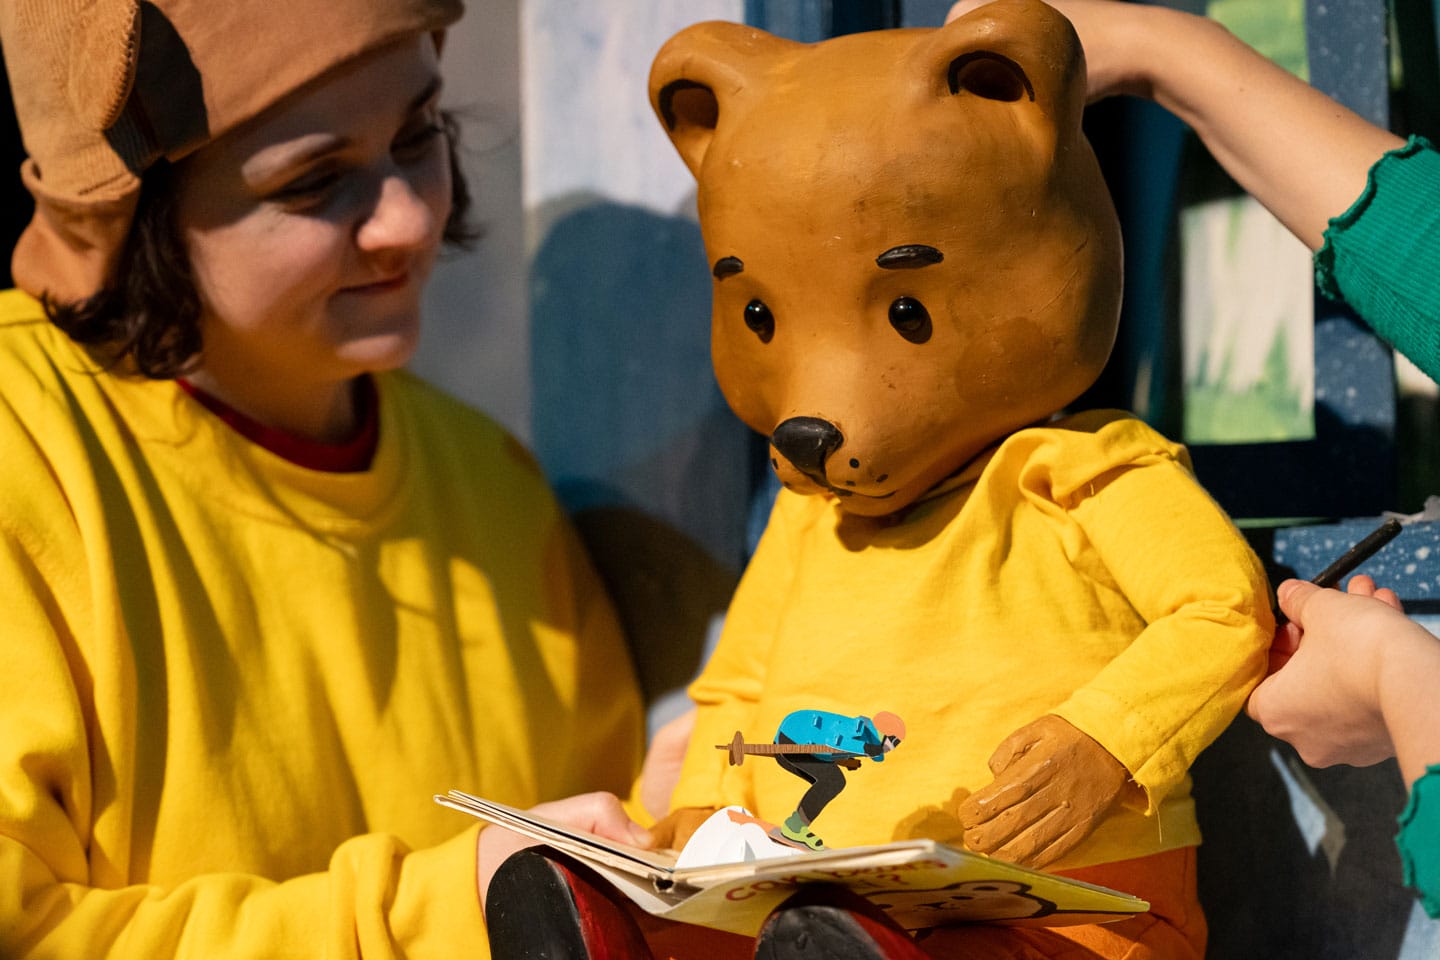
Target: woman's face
x,y
311,230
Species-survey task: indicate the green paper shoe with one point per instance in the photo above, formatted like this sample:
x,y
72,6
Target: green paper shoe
x,y
803,837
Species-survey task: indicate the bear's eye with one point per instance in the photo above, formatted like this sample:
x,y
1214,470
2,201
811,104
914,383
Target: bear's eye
x,y
910,319
761,321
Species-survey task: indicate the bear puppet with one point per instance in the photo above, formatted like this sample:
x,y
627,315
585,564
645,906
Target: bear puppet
x,y
916,268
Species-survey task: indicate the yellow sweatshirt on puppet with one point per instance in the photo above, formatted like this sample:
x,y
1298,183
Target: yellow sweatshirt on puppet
x,y
231,684
1078,570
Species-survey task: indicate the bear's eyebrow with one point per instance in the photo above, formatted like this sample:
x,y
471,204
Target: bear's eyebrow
x,y
727,267
908,257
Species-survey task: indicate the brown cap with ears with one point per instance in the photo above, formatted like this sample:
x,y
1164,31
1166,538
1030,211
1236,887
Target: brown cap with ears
x,y
104,88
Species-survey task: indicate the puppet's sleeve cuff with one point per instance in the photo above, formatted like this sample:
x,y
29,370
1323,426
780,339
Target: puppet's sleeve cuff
x,y
1127,733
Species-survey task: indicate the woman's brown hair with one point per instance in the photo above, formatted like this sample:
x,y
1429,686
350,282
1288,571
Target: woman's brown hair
x,y
147,321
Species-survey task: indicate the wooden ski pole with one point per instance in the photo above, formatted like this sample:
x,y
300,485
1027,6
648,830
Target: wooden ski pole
x,y
738,748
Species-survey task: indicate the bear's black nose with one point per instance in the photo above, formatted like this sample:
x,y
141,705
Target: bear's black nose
x,y
807,442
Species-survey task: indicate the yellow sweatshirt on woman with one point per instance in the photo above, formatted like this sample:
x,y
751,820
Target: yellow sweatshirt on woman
x,y
231,684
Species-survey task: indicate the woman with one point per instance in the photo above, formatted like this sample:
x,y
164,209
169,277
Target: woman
x,y
264,591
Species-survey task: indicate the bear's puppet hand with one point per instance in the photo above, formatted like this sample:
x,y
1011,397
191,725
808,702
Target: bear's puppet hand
x,y
1052,785
674,829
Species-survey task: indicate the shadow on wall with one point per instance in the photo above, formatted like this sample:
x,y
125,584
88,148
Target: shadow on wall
x,y
630,426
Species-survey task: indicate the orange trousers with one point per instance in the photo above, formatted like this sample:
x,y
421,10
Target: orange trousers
x,y
1174,929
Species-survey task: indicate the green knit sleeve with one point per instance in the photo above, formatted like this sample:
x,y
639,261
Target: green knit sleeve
x,y
1382,255
1419,840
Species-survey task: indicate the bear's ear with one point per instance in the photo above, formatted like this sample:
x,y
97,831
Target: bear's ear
x,y
1012,51
704,72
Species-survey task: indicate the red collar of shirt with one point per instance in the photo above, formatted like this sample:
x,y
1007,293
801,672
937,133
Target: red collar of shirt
x,y
352,456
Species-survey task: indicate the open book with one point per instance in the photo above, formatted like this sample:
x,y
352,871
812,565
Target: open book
x,y
919,883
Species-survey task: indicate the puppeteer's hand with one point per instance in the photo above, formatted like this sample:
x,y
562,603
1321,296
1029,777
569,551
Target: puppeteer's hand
x,y
1052,785
1352,679
1112,34
676,827
1327,671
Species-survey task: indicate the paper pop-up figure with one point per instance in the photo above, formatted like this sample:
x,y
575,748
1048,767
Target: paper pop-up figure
x,y
815,745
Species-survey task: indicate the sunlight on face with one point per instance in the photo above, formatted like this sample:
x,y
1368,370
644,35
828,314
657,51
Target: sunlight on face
x,y
312,229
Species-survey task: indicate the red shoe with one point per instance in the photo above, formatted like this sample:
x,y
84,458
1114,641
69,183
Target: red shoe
x,y
823,921
543,905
